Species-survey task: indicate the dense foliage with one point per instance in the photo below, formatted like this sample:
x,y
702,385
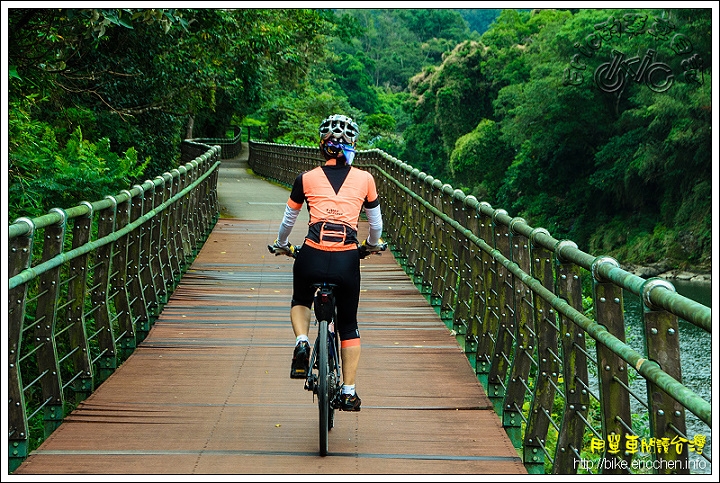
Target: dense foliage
x,y
619,167
529,117
142,79
593,123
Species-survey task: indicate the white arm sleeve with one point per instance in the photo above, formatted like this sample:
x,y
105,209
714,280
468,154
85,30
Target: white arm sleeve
x,y
375,223
286,225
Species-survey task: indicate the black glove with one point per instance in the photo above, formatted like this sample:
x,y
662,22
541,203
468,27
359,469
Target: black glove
x,y
278,249
368,249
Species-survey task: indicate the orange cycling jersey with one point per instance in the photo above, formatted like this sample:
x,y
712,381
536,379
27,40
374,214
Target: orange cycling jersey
x,y
334,195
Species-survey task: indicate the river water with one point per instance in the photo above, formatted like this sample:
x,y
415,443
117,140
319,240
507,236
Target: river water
x,y
696,351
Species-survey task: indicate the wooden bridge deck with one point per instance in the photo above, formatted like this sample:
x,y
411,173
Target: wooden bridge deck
x,y
208,392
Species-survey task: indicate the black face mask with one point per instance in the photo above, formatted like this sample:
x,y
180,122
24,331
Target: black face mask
x,y
336,150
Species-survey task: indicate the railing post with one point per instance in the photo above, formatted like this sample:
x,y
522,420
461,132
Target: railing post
x,y
450,251
413,219
612,374
403,212
575,373
188,212
159,262
119,295
466,296
213,203
505,321
435,240
107,358
158,253
19,258
136,294
477,301
200,213
145,268
205,208
401,209
77,291
444,263
524,342
205,202
488,318
546,377
424,226
667,416
46,318
174,227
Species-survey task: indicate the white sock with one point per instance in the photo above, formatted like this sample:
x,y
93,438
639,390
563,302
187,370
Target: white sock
x,y
348,389
301,338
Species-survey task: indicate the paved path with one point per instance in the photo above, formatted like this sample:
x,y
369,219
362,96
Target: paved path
x,y
245,196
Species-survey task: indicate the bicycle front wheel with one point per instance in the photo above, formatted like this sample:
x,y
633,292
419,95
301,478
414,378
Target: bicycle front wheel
x,y
323,386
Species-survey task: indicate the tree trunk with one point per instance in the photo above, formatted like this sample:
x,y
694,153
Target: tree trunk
x,y
189,128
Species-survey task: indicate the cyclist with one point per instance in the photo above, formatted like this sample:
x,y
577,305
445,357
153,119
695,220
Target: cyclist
x,y
334,193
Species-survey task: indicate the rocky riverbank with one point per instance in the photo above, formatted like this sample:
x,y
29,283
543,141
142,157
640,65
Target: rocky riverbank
x,y
663,269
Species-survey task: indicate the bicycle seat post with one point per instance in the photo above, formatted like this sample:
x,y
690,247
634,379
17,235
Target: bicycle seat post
x,y
325,302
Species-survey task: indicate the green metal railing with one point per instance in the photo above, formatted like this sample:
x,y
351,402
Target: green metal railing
x,y
558,373
87,283
231,147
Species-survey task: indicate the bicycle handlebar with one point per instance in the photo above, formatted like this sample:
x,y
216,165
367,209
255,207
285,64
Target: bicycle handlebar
x,y
365,250
293,250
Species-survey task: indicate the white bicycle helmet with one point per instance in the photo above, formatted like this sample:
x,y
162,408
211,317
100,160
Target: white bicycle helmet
x,y
340,129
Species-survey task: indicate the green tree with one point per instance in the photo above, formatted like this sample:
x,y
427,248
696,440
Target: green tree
x,y
479,161
390,50
398,43
435,23
385,127
294,117
601,161
458,81
656,171
353,79
45,174
479,19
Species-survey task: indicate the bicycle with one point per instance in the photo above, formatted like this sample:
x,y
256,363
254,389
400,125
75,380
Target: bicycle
x,y
324,378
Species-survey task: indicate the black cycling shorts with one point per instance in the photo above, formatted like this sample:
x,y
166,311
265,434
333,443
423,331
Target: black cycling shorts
x,y
339,267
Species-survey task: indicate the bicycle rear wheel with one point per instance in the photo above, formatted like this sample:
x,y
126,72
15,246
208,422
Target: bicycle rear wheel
x,y
323,386
333,376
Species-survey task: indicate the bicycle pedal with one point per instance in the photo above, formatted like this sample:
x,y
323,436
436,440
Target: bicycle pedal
x,y
310,383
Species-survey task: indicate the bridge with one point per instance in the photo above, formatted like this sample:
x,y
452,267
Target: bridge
x,y
149,335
